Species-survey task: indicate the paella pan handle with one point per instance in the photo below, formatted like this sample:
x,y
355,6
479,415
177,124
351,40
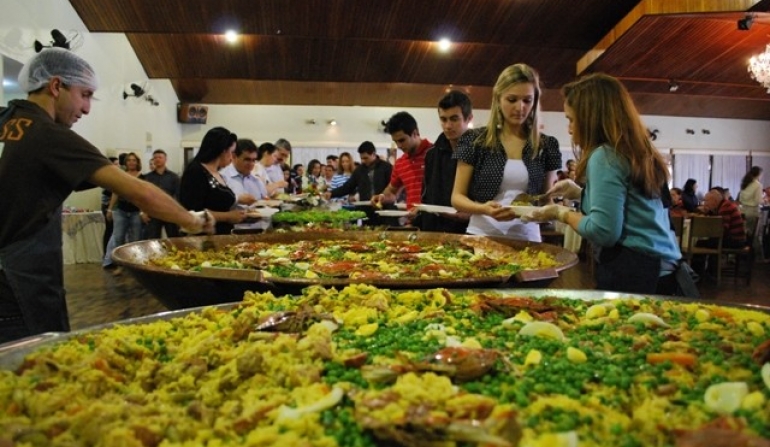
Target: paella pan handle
x,y
535,275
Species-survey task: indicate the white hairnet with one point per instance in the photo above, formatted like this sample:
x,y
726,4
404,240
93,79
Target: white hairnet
x,y
72,69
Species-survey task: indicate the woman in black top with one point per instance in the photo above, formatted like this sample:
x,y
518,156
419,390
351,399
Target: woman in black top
x,y
689,200
202,186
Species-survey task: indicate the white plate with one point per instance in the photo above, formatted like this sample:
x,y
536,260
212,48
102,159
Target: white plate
x,y
401,206
361,203
435,208
392,213
267,202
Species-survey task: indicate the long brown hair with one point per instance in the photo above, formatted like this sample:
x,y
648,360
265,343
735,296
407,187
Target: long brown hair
x,y
604,114
513,74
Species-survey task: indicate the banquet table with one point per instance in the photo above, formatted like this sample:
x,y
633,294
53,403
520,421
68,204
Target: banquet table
x,y
82,234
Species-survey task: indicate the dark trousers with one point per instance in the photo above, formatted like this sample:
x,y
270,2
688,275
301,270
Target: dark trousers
x,y
153,229
107,228
12,325
621,269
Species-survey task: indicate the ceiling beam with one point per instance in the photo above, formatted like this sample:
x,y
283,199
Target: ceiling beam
x,y
658,7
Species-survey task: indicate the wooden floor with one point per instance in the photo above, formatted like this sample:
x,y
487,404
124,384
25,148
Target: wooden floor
x,y
95,296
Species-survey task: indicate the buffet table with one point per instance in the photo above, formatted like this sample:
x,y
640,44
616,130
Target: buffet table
x,y
82,234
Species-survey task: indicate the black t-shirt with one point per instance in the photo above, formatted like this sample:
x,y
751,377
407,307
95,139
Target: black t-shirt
x,y
42,162
199,190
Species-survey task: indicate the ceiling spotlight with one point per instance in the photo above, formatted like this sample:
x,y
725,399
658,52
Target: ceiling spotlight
x,y
444,44
673,86
310,121
332,122
231,36
138,91
744,24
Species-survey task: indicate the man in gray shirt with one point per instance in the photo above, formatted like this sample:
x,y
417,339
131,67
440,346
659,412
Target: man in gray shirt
x,y
168,181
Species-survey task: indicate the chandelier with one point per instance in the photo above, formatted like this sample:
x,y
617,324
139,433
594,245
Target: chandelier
x,y
759,68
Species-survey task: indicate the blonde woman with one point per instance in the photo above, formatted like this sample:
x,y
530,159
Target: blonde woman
x,y
622,211
507,157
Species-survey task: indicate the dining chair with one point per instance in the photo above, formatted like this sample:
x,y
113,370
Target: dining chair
x,y
744,256
706,227
677,222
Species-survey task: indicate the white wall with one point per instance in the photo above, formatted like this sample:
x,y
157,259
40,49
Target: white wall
x,y
114,124
118,125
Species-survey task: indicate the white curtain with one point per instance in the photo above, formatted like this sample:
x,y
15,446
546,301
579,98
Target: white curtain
x,y
763,161
727,172
687,166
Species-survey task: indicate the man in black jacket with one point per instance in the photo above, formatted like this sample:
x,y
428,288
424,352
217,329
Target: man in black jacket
x,y
455,114
372,176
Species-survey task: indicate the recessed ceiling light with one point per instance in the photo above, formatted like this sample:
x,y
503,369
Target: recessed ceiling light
x,y
444,44
231,36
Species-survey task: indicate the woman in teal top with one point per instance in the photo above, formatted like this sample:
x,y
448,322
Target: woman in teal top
x,y
622,210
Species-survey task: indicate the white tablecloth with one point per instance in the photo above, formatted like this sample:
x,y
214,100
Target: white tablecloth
x,y
82,237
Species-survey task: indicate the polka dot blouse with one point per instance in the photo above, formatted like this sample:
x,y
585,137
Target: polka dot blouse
x,y
489,164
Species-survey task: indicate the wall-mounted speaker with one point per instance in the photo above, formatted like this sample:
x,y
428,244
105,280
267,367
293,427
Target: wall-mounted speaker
x,y
192,113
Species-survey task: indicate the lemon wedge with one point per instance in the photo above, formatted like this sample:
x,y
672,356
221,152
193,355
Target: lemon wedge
x,y
647,318
542,329
766,374
726,397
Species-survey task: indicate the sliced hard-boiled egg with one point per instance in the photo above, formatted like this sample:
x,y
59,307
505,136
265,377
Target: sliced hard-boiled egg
x,y
471,343
522,316
367,329
533,357
563,439
328,401
575,355
755,328
702,315
453,341
647,318
596,311
725,397
753,401
542,329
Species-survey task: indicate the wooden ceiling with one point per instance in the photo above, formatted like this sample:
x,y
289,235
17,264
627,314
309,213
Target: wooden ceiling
x,y
384,52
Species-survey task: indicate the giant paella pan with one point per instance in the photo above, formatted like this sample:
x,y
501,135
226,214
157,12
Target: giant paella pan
x,y
203,270
364,366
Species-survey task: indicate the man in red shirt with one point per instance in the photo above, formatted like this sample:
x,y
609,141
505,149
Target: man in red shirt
x,y
409,169
733,221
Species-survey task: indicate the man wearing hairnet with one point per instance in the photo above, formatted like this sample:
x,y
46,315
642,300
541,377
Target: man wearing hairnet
x,y
42,162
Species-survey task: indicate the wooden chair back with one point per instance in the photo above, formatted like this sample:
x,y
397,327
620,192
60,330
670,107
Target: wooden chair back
x,y
677,222
706,227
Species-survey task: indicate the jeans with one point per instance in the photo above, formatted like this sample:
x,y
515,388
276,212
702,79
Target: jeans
x,y
126,227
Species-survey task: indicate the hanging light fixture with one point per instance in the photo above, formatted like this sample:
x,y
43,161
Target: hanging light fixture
x,y
759,68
